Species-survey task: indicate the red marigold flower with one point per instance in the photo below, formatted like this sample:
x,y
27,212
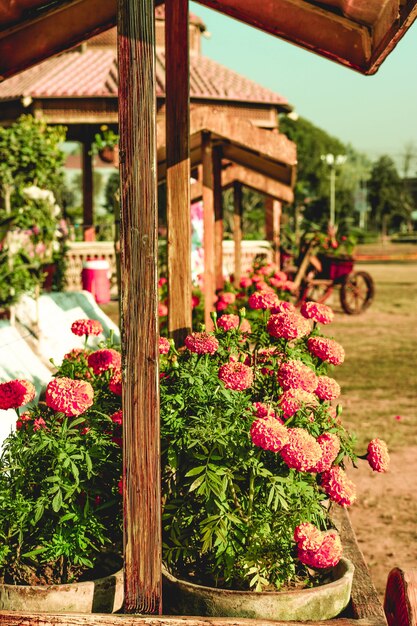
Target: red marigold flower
x,y
287,325
118,441
378,457
162,281
328,555
281,276
263,410
245,282
120,486
38,424
221,305
23,419
327,388
267,433
330,446
71,397
263,300
326,350
117,418
164,345
320,313
283,306
308,537
86,327
115,384
263,286
201,343
227,322
338,486
302,451
16,393
295,374
162,309
293,400
236,376
195,301
105,359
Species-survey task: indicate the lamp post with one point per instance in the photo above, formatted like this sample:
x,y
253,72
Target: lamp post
x,y
332,161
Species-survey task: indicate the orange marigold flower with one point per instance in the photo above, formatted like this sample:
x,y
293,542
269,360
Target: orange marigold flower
x,y
302,451
326,350
320,313
287,325
328,555
86,327
267,433
201,343
293,400
71,397
164,345
327,388
295,374
115,384
338,486
105,359
378,457
330,446
16,393
308,537
263,300
236,376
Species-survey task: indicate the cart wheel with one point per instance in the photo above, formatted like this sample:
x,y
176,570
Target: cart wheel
x,y
315,293
357,292
400,603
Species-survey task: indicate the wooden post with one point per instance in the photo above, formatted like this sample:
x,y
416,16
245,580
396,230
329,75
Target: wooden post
x,y
139,247
178,168
218,215
237,231
88,196
273,226
208,219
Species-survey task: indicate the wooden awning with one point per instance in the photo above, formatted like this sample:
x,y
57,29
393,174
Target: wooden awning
x,y
357,33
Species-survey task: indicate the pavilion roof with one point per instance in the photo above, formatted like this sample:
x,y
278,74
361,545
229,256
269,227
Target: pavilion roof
x,y
93,73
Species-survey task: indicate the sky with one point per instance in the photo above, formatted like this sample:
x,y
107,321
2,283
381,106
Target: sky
x,y
375,114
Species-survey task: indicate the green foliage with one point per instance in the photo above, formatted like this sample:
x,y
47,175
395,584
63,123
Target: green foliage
x,y
106,138
387,196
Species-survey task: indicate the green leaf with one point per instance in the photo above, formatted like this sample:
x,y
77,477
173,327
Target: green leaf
x,y
57,501
198,481
195,471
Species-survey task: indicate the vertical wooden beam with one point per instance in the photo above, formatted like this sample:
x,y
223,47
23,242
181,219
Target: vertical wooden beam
x,y
177,79
208,219
218,216
88,196
139,247
273,210
237,230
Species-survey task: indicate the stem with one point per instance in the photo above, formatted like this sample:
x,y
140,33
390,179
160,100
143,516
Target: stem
x,y
237,503
251,493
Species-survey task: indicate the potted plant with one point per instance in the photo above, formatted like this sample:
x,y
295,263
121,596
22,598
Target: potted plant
x,y
253,461
60,487
106,145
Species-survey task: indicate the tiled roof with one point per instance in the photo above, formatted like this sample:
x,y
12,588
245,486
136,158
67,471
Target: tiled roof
x,y
93,73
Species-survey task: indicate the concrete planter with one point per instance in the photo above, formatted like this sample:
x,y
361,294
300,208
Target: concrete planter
x,y
319,603
104,595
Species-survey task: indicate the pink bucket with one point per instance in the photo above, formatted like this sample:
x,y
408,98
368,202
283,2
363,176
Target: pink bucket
x,y
95,279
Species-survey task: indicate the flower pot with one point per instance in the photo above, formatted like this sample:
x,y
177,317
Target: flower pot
x,y
104,595
318,603
336,268
110,155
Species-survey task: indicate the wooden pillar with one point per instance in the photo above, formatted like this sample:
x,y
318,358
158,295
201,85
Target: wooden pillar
x,y
88,196
273,226
208,220
139,248
178,168
237,230
218,216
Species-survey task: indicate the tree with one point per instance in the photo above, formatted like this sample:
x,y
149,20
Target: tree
x,y
386,195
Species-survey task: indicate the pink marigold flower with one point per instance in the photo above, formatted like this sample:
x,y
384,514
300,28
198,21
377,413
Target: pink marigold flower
x,y
227,322
228,297
164,345
267,433
162,281
281,276
71,397
283,306
105,359
86,327
338,486
289,285
326,350
201,343
245,282
276,282
330,446
308,537
328,555
296,375
76,354
236,376
302,451
267,269
39,424
221,305
378,457
327,388
115,384
263,410
117,418
257,277
263,286
287,325
320,313
16,393
162,309
293,400
262,300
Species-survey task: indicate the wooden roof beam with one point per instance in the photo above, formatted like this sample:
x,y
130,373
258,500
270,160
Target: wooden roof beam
x,y
257,182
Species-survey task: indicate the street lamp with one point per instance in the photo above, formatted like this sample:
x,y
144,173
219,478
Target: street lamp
x,y
332,161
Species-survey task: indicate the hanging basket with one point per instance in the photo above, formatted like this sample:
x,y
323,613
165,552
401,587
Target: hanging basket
x,y
109,155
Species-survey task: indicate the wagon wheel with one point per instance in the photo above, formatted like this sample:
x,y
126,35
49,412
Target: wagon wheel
x,y
316,291
357,292
400,603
